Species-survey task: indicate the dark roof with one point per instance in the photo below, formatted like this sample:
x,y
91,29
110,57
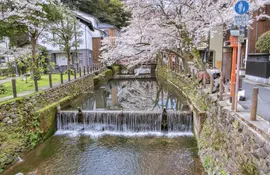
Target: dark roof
x,y
85,15
105,26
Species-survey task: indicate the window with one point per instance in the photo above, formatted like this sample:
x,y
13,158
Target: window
x,y
2,60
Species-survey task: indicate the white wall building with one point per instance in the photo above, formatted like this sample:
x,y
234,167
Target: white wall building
x,y
216,45
85,48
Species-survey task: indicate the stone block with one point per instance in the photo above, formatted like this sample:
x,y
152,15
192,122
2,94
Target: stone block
x,y
266,148
5,120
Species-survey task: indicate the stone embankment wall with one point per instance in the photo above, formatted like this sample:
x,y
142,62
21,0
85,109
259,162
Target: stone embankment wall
x,y
27,121
227,143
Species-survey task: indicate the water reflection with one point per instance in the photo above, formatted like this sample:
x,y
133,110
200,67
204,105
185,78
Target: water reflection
x,y
130,95
111,155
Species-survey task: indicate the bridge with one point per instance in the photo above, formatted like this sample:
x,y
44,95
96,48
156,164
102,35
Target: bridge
x,y
143,71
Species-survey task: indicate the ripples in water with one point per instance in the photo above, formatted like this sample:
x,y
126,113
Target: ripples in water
x,y
112,155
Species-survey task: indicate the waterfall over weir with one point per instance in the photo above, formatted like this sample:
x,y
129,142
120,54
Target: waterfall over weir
x,y
123,122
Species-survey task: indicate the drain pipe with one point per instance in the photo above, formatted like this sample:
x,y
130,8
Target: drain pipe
x,y
164,121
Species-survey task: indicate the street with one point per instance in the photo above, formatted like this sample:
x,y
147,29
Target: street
x,y
263,101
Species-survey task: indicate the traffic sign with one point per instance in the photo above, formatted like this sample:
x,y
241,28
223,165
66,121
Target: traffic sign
x,y
241,20
241,7
242,38
241,30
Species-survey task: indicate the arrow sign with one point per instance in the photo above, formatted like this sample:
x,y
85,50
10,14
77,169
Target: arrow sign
x,y
241,7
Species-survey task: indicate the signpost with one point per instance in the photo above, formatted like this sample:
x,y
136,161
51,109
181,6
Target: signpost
x,y
242,34
241,20
242,38
241,8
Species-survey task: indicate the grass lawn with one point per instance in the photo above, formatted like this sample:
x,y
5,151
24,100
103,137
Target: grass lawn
x,y
22,86
2,78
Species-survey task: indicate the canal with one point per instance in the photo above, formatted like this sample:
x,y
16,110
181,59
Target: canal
x,y
119,130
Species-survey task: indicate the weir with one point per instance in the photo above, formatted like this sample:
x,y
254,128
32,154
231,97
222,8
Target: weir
x,y
124,121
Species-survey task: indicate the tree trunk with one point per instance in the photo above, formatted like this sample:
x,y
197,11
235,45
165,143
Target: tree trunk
x,y
34,53
68,59
185,65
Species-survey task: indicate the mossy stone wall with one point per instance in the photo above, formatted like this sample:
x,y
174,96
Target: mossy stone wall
x,y
27,121
227,144
105,75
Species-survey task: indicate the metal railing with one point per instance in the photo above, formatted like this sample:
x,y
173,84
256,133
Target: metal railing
x,y
71,75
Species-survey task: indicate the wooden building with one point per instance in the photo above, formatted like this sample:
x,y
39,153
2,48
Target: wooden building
x,y
258,64
259,27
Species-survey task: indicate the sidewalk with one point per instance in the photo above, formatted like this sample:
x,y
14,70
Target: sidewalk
x,y
263,101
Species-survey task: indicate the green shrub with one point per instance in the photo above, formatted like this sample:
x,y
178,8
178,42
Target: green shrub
x,y
37,75
4,72
71,72
116,69
263,43
3,89
96,80
108,73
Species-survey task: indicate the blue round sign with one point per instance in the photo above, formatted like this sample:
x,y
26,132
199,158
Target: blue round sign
x,y
241,7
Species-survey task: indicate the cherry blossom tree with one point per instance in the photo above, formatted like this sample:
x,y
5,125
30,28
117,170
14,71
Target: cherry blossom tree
x,y
170,26
34,15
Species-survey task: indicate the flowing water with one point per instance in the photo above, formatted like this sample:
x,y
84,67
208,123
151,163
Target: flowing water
x,y
113,155
124,122
122,129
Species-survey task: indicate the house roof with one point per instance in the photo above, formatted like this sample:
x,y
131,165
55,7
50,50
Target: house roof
x,y
105,26
85,16
86,19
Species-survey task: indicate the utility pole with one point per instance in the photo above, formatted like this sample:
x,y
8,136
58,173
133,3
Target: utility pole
x,y
237,74
241,8
76,46
247,44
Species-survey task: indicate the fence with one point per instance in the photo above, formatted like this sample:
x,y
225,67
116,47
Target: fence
x,y
223,90
49,80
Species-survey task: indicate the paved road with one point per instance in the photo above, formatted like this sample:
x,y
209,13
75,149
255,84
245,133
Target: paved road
x,y
264,98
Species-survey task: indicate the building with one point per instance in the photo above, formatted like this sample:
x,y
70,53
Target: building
x,y
216,44
212,56
4,47
88,51
109,30
101,30
258,64
96,36
84,50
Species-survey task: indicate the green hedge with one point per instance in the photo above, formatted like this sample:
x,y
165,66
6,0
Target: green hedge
x,y
4,72
108,73
116,69
96,80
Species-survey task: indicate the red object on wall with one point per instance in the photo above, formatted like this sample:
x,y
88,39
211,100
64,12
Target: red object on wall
x,y
234,45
